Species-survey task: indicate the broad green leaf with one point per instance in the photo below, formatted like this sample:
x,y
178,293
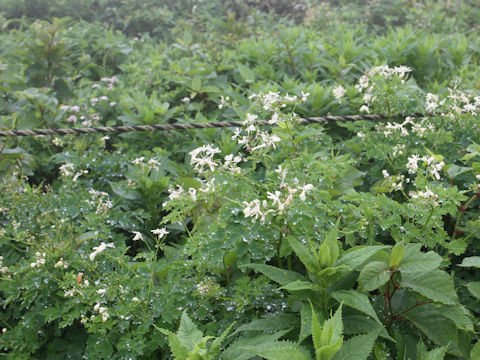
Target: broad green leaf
x,y
196,84
236,351
355,300
356,256
416,261
429,320
280,350
299,285
434,285
279,322
475,353
188,333
397,253
435,354
460,316
306,322
179,351
247,75
358,347
281,276
472,261
304,253
474,288
374,275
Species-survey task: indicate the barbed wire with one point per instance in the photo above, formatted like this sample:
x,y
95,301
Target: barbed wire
x,y
221,124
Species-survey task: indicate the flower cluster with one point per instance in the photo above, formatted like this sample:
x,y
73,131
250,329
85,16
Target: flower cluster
x,y
428,195
433,166
208,287
3,269
151,164
102,311
100,200
98,249
203,157
61,264
39,261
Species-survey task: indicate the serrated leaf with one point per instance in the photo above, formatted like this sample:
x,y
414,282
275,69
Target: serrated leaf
x,y
355,300
188,333
247,75
215,346
397,253
305,322
429,320
460,316
280,322
374,275
358,347
474,288
356,256
281,276
178,350
434,285
472,261
280,350
304,253
416,261
435,354
236,350
327,339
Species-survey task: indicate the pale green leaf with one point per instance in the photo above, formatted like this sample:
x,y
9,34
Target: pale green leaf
x,y
279,322
196,84
472,261
304,253
475,353
247,75
358,347
236,351
355,300
474,288
356,256
434,285
281,276
188,333
179,351
280,350
374,275
397,253
298,285
416,261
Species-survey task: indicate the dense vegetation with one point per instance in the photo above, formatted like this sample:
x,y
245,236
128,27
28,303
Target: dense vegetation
x,y
349,240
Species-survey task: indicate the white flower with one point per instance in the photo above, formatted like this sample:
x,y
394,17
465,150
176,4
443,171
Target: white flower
x,y
385,174
339,92
72,119
174,194
98,249
304,189
160,232
138,236
101,291
305,96
252,209
275,197
186,100
412,164
135,299
365,108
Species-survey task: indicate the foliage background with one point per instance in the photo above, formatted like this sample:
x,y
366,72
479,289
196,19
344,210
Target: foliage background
x,y
413,295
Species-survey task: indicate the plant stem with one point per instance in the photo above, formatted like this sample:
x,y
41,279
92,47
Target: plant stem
x,y
463,209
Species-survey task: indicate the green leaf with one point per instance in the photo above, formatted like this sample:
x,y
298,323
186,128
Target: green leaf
x,y
416,261
236,351
280,350
397,253
215,346
474,288
188,333
178,350
355,300
374,275
247,75
281,276
475,353
327,339
460,316
196,84
472,261
305,323
358,347
304,253
298,285
356,256
279,322
429,320
434,285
